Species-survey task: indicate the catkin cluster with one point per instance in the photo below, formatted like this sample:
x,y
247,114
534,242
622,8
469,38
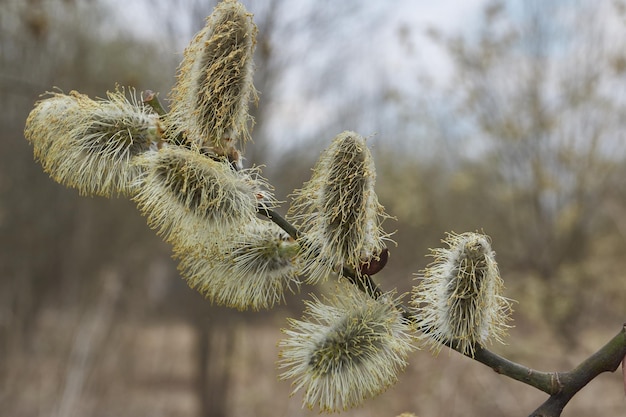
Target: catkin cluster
x,y
184,171
183,168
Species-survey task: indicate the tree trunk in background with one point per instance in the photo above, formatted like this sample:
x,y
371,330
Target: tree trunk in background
x,y
214,344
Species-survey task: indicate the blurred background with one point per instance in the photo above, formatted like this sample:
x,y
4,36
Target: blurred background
x,y
503,117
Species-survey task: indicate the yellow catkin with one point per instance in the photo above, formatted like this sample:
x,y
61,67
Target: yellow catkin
x,y
90,144
249,269
209,103
187,196
346,350
459,298
338,210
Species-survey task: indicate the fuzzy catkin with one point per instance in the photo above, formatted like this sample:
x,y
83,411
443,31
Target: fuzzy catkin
x,y
187,196
250,268
346,350
338,211
209,103
459,299
90,144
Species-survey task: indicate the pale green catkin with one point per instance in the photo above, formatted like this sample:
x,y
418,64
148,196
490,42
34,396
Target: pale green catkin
x,y
209,103
250,268
337,210
459,298
345,351
187,196
90,144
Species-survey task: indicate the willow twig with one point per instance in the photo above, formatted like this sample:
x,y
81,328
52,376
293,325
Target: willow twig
x,y
548,382
151,98
280,222
362,281
607,359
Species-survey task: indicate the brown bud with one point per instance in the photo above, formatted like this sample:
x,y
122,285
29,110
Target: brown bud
x,y
376,264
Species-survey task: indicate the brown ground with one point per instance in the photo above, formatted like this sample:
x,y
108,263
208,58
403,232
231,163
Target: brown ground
x,y
149,369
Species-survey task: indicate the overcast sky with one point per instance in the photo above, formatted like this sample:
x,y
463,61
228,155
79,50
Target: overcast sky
x,y
366,43
449,16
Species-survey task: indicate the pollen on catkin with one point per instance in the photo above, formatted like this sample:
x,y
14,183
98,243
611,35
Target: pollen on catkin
x,y
209,102
187,196
337,210
251,268
345,351
89,144
459,298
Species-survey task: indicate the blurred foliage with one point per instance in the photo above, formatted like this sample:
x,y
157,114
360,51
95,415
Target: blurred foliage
x,y
539,157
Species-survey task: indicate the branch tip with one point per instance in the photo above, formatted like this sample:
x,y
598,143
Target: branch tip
x,y
151,99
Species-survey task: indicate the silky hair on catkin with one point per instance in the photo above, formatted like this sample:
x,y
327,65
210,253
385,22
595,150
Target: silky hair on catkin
x,y
459,298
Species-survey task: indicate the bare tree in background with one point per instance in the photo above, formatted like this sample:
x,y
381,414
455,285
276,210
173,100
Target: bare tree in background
x,y
64,45
535,141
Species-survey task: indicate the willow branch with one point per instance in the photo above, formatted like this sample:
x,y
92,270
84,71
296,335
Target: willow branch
x,y
548,382
607,359
561,386
280,222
